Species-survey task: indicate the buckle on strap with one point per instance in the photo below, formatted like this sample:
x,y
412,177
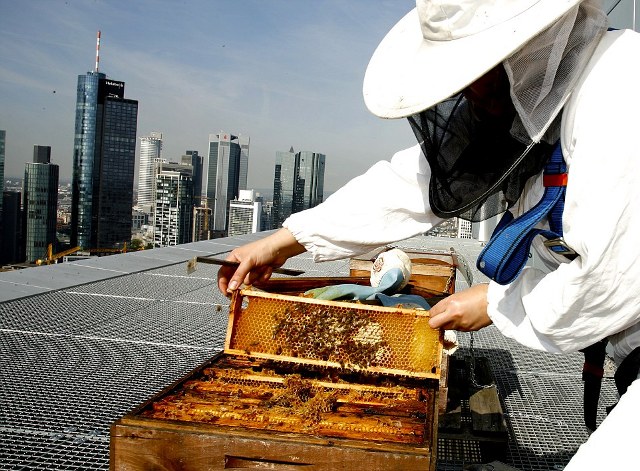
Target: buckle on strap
x,y
555,179
560,247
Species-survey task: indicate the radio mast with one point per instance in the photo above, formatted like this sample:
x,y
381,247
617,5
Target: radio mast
x,y
97,51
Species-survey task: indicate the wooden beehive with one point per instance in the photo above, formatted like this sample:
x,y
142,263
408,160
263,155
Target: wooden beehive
x,y
265,404
431,270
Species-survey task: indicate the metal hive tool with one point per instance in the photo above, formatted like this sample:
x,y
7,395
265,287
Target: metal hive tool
x,y
346,335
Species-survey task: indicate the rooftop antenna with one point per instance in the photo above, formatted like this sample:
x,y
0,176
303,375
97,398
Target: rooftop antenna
x,y
97,51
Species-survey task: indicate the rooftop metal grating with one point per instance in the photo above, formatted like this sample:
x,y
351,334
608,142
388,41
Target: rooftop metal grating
x,y
83,343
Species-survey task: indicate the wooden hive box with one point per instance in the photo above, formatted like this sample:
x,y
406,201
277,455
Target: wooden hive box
x,y
289,404
433,270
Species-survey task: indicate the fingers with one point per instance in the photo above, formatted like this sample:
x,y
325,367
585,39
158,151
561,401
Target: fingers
x,y
257,260
230,278
441,321
228,275
464,311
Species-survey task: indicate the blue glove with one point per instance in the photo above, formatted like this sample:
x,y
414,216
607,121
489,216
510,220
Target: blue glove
x,y
406,301
384,292
389,283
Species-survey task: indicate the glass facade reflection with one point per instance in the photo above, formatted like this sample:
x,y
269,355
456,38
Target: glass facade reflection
x,y
225,176
310,180
3,135
298,183
103,163
283,186
40,204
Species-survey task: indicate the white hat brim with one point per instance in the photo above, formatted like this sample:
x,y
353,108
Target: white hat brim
x,y
408,74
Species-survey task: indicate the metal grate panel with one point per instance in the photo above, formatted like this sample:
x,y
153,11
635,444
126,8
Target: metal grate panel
x,y
72,361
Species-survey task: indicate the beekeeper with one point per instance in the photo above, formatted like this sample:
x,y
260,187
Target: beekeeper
x,y
489,87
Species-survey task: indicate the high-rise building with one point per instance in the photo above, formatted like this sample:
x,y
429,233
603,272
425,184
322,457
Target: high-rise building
x,y
192,158
150,153
310,180
41,154
283,186
244,214
103,163
174,205
3,136
266,219
201,218
224,175
298,183
39,204
464,229
11,233
244,163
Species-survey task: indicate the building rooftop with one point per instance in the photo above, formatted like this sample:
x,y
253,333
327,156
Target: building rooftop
x,y
83,343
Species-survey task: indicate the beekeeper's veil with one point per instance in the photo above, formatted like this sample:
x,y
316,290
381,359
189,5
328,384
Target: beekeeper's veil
x,y
483,138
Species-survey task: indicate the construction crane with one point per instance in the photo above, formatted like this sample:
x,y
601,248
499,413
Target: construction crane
x,y
51,257
108,250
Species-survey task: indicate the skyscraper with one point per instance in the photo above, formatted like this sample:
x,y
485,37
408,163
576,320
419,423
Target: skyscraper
x,y
298,183
11,228
40,203
201,218
245,214
310,181
283,185
192,158
224,175
103,163
174,205
41,154
150,153
3,136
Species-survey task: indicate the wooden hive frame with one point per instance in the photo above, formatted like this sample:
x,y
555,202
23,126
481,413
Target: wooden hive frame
x,y
140,442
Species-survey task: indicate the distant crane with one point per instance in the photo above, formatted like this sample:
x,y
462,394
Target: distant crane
x,y
51,257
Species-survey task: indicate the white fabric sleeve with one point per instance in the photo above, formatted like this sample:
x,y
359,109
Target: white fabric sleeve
x,y
596,295
386,204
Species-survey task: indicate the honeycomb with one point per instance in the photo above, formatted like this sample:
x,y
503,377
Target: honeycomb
x,y
346,335
258,394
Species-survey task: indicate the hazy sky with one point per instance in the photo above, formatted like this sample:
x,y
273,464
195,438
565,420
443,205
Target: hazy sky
x,y
283,72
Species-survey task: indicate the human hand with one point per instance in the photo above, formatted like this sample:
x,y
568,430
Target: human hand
x,y
257,260
464,311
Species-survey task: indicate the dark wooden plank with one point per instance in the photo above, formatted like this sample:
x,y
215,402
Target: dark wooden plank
x,y
486,411
135,447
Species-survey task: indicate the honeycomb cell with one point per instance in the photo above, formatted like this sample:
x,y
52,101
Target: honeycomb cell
x,y
349,335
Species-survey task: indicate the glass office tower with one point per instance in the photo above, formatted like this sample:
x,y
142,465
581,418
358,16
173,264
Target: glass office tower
x,y
225,175
283,186
40,204
103,163
310,180
192,158
298,183
3,135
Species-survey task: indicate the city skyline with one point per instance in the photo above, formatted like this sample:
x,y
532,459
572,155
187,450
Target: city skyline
x,y
284,73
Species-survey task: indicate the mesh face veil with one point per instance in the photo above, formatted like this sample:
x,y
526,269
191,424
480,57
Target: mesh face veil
x,y
485,142
477,168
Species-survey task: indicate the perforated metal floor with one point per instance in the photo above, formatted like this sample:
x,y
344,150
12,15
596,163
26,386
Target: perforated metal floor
x,y
73,360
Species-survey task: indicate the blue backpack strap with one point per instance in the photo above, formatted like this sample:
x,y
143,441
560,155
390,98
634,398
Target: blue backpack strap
x,y
506,253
